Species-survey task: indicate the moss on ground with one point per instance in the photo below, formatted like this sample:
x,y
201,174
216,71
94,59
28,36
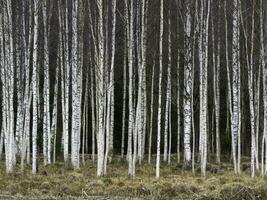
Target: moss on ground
x,y
59,182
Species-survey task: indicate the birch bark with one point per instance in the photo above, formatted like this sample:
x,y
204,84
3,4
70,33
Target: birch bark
x,y
75,89
160,90
187,86
168,95
100,93
35,88
235,82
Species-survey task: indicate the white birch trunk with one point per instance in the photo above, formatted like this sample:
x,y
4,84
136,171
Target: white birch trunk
x,y
93,113
100,94
192,96
75,89
235,76
160,90
203,51
168,95
144,5
113,41
54,117
65,95
252,99
124,93
216,90
35,88
131,100
263,61
46,118
217,104
151,112
187,88
178,108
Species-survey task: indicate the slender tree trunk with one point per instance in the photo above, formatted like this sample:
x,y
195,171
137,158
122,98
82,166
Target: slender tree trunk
x,y
160,90
46,118
75,89
216,90
178,108
168,94
124,92
203,86
235,85
144,64
85,118
113,41
131,100
93,113
229,87
263,57
192,96
35,88
55,114
27,92
100,94
187,87
217,104
65,90
151,112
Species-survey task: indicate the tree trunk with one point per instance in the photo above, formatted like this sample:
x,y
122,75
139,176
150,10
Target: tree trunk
x,y
160,90
187,87
35,88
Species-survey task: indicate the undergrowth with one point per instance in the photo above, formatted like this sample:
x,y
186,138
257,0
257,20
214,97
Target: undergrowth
x,y
57,181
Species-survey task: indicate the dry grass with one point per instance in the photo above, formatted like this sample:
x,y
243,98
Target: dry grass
x,y
60,182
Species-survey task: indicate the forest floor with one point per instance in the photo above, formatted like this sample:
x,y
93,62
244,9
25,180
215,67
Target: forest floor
x,y
59,182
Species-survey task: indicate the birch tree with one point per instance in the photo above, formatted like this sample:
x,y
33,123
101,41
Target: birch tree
x,y
27,91
100,93
65,80
160,90
129,19
187,85
263,57
35,88
235,128
113,39
124,88
151,112
178,95
76,89
216,85
7,76
46,118
253,94
110,92
93,113
55,115
168,94
203,55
